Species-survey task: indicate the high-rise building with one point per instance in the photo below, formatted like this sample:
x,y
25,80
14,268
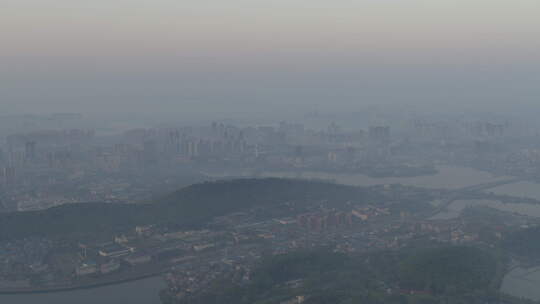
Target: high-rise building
x,y
379,133
8,174
30,150
350,154
174,142
193,148
150,152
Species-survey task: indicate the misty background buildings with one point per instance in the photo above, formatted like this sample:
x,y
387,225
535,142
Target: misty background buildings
x,y
280,152
49,165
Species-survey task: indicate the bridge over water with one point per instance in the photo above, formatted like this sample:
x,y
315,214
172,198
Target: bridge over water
x,y
461,192
485,186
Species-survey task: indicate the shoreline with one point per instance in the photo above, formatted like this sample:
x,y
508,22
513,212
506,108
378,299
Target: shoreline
x,y
98,284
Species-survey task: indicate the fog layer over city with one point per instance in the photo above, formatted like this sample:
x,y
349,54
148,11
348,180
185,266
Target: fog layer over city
x,y
277,152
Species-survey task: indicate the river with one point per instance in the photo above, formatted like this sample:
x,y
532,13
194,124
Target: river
x,y
144,291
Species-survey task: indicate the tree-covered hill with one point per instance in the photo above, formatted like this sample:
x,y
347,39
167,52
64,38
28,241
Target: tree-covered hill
x,y
524,243
430,275
447,269
188,207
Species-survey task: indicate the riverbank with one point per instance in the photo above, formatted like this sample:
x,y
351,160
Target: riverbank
x,y
144,291
113,279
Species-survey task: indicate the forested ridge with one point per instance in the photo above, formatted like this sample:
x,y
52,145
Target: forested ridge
x,y
188,207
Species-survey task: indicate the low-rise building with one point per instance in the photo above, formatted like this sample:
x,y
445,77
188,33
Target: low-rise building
x,y
137,259
114,250
85,269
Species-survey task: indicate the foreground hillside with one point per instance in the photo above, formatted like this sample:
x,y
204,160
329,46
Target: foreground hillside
x,y
189,207
524,244
454,274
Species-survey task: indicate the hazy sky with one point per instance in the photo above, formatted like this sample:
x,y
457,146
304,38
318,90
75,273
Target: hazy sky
x,y
243,55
